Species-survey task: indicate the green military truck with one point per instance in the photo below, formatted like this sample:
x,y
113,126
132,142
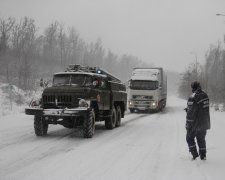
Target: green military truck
x,y
79,97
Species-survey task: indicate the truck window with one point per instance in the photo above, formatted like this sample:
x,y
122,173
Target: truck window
x,y
72,79
143,85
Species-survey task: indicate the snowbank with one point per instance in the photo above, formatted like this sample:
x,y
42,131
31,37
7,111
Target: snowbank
x,y
13,99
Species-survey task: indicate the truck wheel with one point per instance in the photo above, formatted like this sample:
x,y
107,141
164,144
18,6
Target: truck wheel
x,y
40,127
157,109
118,116
161,106
164,103
110,122
89,124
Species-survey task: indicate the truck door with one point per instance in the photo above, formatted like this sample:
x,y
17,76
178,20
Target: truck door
x,y
105,94
98,92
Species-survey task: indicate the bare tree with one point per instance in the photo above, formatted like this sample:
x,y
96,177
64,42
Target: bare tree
x,y
5,31
213,69
191,74
28,56
74,50
23,46
50,47
62,43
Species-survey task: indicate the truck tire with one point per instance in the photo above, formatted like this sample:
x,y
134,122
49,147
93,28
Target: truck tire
x,y
164,103
118,116
160,106
40,127
110,122
157,109
89,124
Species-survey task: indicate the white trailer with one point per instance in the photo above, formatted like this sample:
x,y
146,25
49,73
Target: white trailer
x,y
147,90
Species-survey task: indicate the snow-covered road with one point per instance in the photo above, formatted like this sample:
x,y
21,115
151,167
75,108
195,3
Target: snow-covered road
x,y
145,147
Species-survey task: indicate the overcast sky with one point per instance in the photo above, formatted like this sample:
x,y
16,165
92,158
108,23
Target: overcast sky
x,y
162,32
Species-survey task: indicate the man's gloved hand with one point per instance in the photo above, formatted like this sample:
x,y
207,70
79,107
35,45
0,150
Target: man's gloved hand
x,y
188,125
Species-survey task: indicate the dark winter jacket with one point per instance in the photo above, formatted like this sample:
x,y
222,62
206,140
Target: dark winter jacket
x,y
198,117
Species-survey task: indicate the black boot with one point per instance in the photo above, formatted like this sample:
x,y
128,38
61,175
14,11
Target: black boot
x,y
202,154
194,153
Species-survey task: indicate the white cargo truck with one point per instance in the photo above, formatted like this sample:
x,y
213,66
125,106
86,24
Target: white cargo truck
x,y
147,90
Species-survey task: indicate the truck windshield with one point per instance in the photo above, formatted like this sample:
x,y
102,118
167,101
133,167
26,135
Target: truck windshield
x,y
143,85
72,79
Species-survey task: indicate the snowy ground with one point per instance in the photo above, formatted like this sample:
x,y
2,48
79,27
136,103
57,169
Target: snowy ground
x,y
145,147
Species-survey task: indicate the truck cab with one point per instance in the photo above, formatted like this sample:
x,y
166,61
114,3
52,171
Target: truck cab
x,y
147,90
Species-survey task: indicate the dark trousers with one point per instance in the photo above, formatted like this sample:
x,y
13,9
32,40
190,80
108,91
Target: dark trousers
x,y
200,137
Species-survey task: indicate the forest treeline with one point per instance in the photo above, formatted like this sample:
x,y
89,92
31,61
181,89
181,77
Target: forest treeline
x,y
26,54
211,75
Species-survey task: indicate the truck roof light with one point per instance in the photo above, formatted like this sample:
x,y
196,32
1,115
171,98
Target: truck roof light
x,y
99,71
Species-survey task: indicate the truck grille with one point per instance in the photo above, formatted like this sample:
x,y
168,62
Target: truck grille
x,y
52,98
54,101
141,97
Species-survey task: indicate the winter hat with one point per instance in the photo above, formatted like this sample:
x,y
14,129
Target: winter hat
x,y
195,85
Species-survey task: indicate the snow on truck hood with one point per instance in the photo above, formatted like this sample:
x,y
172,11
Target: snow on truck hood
x,y
145,74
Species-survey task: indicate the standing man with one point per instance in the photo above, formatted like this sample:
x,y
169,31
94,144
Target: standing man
x,y
197,121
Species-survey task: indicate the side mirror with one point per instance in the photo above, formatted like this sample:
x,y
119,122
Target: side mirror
x,y
95,83
103,84
44,83
127,84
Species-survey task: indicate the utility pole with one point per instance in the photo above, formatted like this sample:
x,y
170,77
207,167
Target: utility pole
x,y
196,66
218,14
10,96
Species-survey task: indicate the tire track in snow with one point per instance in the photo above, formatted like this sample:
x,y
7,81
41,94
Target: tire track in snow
x,y
27,136
46,147
114,147
164,150
38,152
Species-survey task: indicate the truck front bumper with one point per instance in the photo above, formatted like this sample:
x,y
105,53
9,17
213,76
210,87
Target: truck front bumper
x,y
74,112
142,105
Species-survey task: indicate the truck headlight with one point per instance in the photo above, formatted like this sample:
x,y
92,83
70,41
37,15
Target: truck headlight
x,y
154,103
35,102
131,103
84,103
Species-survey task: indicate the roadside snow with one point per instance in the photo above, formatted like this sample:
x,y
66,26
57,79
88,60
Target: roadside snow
x,y
13,100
